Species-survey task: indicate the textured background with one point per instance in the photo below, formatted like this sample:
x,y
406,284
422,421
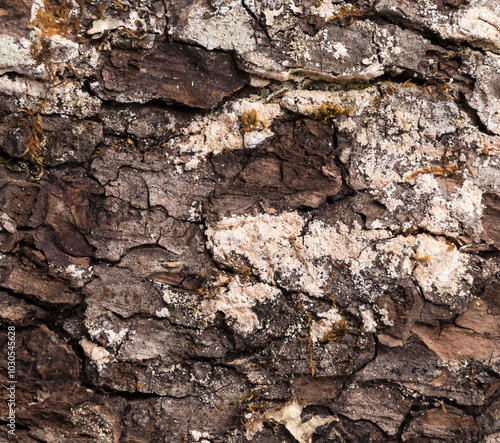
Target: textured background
x,y
268,221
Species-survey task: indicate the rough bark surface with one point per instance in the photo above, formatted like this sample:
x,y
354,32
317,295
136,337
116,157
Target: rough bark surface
x,y
251,220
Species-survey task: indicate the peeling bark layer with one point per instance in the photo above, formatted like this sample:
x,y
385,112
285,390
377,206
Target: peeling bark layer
x,y
250,221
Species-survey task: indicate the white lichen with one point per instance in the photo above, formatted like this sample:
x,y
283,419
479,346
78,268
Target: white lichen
x,y
221,131
237,301
162,313
274,245
369,324
288,415
329,320
108,24
78,272
97,354
446,268
228,28
197,435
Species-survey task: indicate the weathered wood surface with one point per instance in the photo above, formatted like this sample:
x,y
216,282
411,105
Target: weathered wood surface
x,y
268,221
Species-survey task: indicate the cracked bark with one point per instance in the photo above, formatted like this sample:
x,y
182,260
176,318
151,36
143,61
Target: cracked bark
x,y
245,220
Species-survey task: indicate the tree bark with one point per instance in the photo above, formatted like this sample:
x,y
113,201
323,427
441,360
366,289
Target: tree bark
x,y
250,221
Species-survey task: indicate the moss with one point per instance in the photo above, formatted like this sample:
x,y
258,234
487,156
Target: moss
x,y
50,20
32,142
250,122
346,15
54,20
338,331
308,338
328,112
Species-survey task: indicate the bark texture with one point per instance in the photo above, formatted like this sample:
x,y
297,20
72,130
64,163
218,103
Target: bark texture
x,y
251,220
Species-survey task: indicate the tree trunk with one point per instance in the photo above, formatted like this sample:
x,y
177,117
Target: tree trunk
x,y
262,221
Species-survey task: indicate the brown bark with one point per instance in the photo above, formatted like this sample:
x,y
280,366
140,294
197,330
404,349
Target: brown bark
x,y
250,221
